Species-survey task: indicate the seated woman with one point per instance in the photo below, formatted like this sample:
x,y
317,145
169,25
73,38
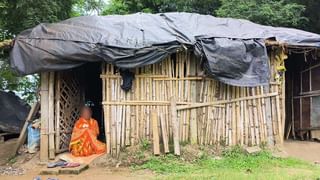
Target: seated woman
x,y
84,140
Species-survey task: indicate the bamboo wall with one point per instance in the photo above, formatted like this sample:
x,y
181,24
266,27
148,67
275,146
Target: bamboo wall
x,y
208,111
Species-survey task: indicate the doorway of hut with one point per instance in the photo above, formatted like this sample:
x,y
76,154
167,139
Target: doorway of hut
x,y
302,81
93,93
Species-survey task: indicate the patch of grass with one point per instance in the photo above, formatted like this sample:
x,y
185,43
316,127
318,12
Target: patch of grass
x,y
166,164
12,160
145,144
234,164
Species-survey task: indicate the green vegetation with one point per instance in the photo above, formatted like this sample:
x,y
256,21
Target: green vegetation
x,y
268,12
233,164
157,6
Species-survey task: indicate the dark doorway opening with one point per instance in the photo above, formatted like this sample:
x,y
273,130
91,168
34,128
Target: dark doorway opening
x,y
93,93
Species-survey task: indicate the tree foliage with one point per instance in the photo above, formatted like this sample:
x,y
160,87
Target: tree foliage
x,y
312,12
267,12
18,15
87,7
158,6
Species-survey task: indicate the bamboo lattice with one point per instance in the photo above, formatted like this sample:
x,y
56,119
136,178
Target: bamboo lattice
x,y
208,111
67,107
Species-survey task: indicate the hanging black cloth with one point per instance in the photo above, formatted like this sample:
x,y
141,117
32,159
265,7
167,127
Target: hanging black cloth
x,y
127,77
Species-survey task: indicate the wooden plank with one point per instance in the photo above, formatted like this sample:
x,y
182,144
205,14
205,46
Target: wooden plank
x,y
44,101
175,123
155,132
23,134
51,116
164,131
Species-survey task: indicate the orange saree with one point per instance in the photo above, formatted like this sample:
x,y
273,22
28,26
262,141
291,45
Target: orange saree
x,y
84,140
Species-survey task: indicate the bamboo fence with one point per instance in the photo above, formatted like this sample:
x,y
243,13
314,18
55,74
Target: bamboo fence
x,y
188,107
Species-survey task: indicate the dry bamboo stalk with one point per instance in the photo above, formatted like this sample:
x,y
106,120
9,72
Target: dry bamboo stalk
x,y
113,120
137,81
263,109
246,119
156,142
148,84
175,122
241,118
217,130
142,110
256,118
279,121
123,120
274,117
193,112
107,113
251,119
57,113
44,116
260,117
198,105
234,118
128,122
164,131
238,116
51,115
228,137
119,119
283,106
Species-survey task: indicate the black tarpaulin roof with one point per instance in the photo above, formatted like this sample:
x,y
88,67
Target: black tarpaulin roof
x,y
232,50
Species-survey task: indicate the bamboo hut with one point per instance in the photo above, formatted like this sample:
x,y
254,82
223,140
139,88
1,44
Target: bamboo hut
x,y
172,101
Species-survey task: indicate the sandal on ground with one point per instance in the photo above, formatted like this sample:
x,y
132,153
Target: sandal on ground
x,y
71,165
57,164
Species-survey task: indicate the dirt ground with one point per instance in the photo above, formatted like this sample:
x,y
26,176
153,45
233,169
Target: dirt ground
x,y
96,173
305,150
6,150
28,165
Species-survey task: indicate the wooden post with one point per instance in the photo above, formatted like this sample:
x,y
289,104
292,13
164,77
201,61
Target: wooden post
x,y
44,101
51,116
23,134
155,132
175,124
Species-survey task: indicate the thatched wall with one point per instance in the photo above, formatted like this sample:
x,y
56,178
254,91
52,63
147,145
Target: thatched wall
x,y
208,112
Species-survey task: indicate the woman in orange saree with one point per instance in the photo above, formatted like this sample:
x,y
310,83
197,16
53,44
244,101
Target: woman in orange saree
x,y
84,140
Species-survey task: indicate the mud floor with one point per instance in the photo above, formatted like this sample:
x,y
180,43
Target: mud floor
x,y
6,150
305,150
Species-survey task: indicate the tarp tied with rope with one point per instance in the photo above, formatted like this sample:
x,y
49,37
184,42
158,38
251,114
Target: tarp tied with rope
x,y
231,50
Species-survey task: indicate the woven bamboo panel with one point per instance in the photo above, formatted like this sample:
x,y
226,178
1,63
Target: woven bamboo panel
x,y
209,112
68,103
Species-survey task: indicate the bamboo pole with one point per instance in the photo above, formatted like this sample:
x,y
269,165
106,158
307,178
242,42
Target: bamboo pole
x,y
44,101
175,122
198,105
51,116
156,141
